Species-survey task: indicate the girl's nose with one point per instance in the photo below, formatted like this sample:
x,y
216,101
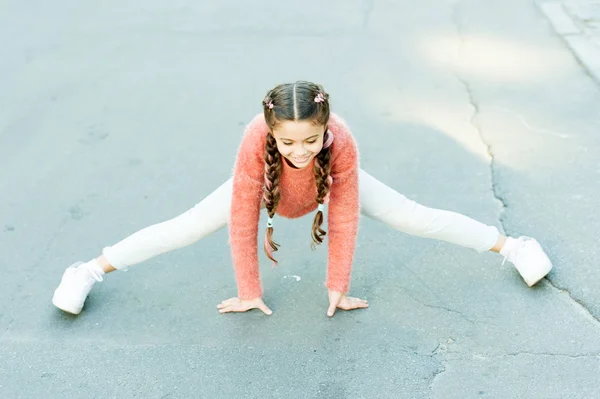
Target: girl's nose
x,y
299,151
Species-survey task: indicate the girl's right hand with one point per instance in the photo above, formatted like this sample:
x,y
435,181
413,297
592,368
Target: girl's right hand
x,y
236,304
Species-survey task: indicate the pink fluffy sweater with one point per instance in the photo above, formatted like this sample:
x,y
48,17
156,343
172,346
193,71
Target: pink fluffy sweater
x,y
298,197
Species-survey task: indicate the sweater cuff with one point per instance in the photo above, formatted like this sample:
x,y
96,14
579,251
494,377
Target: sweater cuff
x,y
338,286
250,292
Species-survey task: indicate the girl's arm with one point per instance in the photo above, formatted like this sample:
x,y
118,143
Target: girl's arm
x,y
245,211
343,214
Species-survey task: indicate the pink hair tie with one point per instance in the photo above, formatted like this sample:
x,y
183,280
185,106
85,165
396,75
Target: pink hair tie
x,y
329,140
269,104
319,98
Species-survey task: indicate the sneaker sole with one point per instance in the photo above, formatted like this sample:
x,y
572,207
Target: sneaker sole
x,y
533,280
64,305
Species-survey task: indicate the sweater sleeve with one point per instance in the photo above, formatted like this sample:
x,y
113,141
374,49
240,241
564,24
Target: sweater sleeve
x,y
343,214
245,210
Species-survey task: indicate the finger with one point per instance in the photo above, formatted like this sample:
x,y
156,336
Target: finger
x,y
234,309
353,298
223,305
360,301
357,300
265,309
228,302
331,310
353,303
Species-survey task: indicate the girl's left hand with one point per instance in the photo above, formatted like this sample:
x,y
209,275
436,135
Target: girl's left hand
x,y
340,300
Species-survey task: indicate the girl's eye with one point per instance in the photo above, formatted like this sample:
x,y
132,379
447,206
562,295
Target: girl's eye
x,y
312,141
284,143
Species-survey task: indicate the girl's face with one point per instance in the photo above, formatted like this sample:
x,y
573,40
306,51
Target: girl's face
x,y
299,141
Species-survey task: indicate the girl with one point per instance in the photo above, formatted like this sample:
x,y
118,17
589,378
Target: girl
x,y
296,158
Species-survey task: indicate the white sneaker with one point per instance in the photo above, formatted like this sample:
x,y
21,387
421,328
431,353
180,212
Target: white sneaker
x,y
528,257
76,283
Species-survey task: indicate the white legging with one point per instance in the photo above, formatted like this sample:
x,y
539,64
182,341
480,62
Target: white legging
x,y
377,201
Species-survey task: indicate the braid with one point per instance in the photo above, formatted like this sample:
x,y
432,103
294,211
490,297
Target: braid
x,y
323,179
271,193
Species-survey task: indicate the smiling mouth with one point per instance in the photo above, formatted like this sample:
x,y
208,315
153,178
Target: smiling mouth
x,y
300,160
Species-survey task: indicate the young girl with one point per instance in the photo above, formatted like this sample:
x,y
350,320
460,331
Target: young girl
x,y
294,159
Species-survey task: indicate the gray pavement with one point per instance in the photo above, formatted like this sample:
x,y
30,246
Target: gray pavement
x,y
586,15
114,116
578,23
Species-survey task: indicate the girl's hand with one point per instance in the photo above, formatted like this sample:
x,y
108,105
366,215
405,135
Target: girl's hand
x,y
340,300
242,305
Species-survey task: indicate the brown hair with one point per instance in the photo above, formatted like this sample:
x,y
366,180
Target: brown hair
x,y
295,102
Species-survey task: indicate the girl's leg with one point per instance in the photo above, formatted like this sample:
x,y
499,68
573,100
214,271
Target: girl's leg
x,y
208,216
382,203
